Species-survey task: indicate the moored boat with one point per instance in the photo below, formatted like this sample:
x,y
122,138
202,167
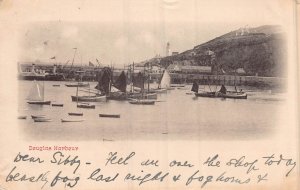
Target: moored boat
x,y
72,120
79,84
88,106
75,114
110,115
58,105
37,116
42,120
22,117
141,102
36,95
95,98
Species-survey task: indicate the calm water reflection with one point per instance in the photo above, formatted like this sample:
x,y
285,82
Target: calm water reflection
x,y
178,116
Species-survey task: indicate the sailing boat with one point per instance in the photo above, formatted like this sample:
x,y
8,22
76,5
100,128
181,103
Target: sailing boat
x,y
96,97
36,95
165,83
143,98
222,93
120,85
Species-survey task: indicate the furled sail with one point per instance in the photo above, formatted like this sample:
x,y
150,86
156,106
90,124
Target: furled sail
x,y
104,79
195,87
165,81
36,92
121,82
138,81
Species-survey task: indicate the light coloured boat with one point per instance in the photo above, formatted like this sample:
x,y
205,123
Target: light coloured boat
x,y
88,106
141,102
38,116
72,120
36,95
79,84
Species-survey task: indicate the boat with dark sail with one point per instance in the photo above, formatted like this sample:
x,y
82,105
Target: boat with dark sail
x,y
36,95
222,93
92,95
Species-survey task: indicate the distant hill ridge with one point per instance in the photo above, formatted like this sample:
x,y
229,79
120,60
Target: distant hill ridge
x,y
259,51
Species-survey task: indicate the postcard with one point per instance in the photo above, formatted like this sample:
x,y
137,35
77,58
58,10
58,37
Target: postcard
x,y
158,94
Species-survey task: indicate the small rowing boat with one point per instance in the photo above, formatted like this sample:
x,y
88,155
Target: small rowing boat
x,y
57,105
72,120
37,116
76,114
88,106
22,117
42,120
110,115
79,84
56,85
142,102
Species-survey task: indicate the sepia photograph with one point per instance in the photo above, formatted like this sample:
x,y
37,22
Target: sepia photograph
x,y
156,94
93,81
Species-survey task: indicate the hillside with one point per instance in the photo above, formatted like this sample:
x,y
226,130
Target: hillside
x,y
260,51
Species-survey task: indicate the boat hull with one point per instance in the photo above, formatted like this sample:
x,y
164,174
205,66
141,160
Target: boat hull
x,y
78,85
39,102
37,116
76,114
88,98
110,115
57,105
142,102
229,94
86,106
42,120
72,120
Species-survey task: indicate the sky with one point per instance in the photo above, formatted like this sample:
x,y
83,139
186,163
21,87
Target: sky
x,y
122,32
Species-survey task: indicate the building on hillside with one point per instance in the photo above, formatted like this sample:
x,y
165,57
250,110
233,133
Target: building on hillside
x,y
175,53
189,69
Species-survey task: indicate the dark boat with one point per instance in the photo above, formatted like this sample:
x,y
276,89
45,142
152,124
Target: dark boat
x,y
39,102
110,115
57,105
22,117
56,85
75,114
42,120
96,98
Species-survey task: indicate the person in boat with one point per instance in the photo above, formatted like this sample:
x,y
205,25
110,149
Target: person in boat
x,y
223,89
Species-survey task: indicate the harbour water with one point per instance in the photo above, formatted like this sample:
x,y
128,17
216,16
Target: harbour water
x,y
178,115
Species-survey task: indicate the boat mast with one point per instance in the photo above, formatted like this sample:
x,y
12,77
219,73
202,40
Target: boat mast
x,y
132,89
148,77
43,90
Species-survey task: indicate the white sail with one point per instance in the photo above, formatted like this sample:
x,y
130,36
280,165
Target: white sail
x,y
166,80
36,92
